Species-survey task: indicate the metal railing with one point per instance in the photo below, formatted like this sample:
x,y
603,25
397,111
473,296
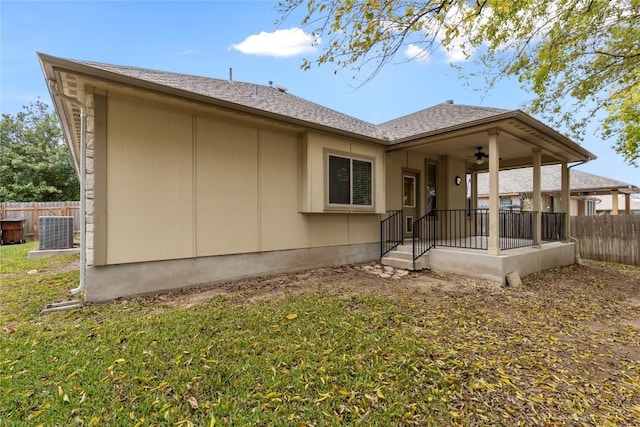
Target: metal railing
x,y
424,235
517,229
390,232
462,228
469,229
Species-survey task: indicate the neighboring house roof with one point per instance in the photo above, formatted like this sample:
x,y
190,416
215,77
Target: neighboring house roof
x,y
516,181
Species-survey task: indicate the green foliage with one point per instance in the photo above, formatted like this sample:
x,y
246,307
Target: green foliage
x,y
581,59
34,162
538,356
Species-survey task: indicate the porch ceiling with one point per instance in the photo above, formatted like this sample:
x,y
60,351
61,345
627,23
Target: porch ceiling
x,y
518,136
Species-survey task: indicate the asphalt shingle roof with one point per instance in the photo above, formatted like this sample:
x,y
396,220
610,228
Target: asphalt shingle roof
x,y
270,99
261,97
439,116
521,181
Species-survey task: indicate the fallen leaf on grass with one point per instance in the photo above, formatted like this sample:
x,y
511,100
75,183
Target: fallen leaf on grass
x,y
193,402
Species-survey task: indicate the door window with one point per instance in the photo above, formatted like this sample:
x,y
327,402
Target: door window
x,y
409,191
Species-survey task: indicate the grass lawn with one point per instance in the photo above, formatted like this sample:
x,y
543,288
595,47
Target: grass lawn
x,y
563,349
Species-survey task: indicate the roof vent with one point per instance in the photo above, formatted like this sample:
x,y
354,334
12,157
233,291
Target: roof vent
x,y
281,88
448,101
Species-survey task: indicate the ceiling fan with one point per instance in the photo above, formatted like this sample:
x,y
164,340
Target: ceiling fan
x,y
480,156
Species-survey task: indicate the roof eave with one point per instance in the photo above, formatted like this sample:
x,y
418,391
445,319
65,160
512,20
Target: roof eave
x,y
109,76
49,75
583,154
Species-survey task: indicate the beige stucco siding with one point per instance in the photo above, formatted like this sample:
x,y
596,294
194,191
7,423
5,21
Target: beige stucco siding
x,y
328,229
183,183
456,194
281,225
149,182
226,187
395,161
362,228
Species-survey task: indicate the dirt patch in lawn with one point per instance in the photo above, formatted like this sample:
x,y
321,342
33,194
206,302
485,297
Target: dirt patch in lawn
x,y
346,280
613,285
594,307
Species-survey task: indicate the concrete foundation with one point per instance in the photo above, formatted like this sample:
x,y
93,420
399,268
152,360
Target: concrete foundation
x,y
105,283
479,264
47,253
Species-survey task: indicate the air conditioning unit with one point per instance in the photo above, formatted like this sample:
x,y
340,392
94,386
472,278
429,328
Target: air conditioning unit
x,y
55,232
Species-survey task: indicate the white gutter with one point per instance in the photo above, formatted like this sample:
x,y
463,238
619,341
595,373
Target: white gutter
x,y
53,87
573,239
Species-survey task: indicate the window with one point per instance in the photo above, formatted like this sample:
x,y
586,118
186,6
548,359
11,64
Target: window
x,y
505,202
350,181
409,191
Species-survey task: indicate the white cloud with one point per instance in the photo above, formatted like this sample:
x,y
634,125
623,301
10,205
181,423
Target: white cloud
x,y
280,43
416,53
188,52
456,50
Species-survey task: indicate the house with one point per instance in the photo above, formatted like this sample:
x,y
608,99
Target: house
x,y
187,180
607,204
588,191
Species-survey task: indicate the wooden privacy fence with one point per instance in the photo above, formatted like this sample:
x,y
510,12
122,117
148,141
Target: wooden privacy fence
x,y
31,211
612,238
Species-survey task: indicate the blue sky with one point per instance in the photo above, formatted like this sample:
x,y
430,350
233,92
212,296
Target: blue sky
x,y
208,37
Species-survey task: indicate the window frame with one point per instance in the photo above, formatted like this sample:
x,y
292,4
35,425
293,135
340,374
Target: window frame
x,y
351,157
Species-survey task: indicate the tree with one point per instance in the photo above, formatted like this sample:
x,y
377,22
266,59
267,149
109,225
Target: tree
x,y
34,162
580,58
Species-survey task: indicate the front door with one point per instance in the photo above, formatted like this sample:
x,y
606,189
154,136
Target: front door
x,y
409,201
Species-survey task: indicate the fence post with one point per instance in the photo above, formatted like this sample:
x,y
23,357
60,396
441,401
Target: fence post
x,y
35,221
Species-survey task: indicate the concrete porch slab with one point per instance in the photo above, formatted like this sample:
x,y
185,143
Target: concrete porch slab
x,y
479,264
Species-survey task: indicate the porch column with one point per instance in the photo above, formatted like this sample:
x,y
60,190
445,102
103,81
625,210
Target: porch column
x,y
494,193
614,202
565,201
537,196
627,204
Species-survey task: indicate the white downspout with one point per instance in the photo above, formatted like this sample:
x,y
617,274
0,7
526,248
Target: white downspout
x,y
83,167
573,239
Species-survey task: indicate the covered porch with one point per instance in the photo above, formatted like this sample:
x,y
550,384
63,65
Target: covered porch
x,y
479,264
457,241
433,220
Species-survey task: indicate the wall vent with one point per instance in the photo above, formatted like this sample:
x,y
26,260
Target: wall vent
x,y
55,232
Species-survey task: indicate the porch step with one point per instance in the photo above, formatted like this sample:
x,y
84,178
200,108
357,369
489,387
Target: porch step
x,y
403,259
